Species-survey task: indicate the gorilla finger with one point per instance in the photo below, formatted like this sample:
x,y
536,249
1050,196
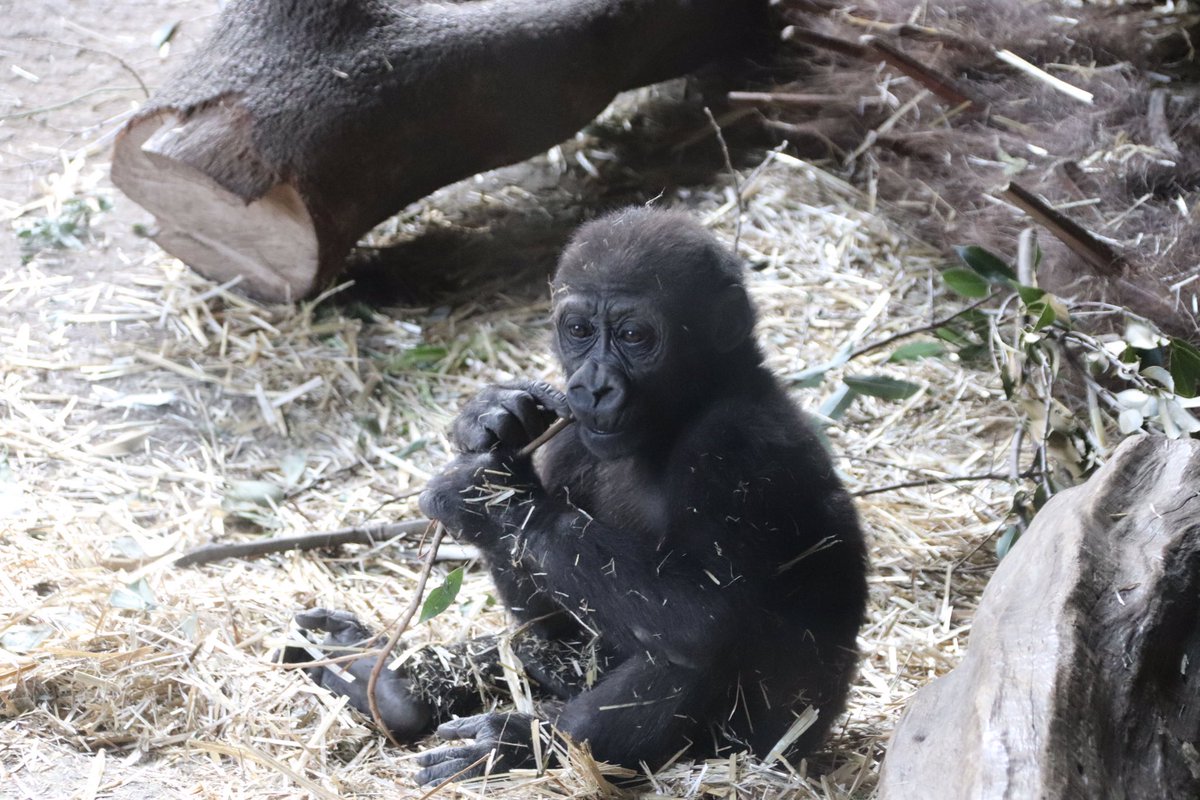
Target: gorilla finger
x,y
448,769
549,397
507,428
451,752
533,418
328,621
462,728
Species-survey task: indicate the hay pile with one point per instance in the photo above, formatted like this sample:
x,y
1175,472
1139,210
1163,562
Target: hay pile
x,y
144,411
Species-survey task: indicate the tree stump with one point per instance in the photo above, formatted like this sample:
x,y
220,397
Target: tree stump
x,y
301,124
1082,678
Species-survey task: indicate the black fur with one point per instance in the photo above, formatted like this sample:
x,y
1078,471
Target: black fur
x,y
689,517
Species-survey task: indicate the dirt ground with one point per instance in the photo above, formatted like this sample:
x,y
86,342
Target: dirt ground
x,y
140,406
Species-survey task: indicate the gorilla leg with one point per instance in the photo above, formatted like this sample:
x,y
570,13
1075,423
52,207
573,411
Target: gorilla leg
x,y
439,682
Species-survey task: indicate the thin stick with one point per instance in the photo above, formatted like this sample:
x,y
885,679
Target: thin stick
x,y
737,186
933,326
439,532
1037,73
368,535
935,82
1084,244
846,47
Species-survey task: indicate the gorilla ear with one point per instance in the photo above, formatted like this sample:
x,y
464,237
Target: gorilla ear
x,y
733,319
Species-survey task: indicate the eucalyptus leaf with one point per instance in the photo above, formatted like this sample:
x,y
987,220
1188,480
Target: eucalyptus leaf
x,y
292,466
25,638
881,386
917,350
966,282
1130,420
440,598
262,493
1030,294
136,596
836,404
128,547
1185,367
1141,335
1006,541
986,264
1159,376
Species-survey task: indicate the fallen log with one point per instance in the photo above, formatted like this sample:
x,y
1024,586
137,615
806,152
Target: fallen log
x,y
1082,678
301,124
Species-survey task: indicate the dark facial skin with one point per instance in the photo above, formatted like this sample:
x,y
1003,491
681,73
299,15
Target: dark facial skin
x,y
689,516
610,345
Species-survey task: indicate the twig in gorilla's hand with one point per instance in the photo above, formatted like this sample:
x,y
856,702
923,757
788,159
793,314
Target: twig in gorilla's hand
x,y
402,625
372,534
439,532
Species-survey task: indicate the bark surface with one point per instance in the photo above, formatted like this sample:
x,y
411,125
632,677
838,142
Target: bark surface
x,y
301,124
1082,678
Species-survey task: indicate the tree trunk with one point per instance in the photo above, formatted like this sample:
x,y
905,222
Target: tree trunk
x,y
1082,679
301,124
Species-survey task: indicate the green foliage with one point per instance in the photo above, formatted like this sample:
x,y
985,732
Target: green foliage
x,y
966,282
440,598
986,265
881,386
67,231
914,351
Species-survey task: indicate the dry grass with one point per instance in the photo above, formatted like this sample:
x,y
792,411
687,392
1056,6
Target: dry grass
x,y
138,400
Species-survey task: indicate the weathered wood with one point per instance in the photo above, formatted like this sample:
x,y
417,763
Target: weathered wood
x,y
300,124
1082,679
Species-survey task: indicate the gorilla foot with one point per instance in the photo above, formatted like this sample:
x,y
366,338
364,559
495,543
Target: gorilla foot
x,y
406,716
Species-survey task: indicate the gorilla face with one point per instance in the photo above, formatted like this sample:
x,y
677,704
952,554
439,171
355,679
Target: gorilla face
x,y
614,350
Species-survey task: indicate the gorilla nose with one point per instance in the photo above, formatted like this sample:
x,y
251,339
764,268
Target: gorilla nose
x,y
596,389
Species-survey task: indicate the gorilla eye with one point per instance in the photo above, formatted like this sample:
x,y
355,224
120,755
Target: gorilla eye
x,y
579,329
633,335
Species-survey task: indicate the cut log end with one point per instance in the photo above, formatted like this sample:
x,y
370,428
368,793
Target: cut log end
x,y
262,232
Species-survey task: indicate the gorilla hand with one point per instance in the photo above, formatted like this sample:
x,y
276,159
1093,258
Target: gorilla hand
x,y
506,737
509,416
480,495
405,715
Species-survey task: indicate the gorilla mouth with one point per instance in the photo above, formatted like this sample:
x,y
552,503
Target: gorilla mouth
x,y
610,444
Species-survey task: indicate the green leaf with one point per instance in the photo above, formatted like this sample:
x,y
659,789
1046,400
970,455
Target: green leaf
x,y
881,386
1185,367
917,350
260,493
24,638
989,265
136,596
836,404
440,598
809,378
1030,294
1007,539
423,356
1045,314
966,282
952,336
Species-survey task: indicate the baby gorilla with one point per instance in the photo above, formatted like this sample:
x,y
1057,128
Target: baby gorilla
x,y
686,535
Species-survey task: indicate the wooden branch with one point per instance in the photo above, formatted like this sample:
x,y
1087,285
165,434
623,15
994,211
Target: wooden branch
x,y
792,99
1156,118
1100,255
368,535
942,86
793,33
